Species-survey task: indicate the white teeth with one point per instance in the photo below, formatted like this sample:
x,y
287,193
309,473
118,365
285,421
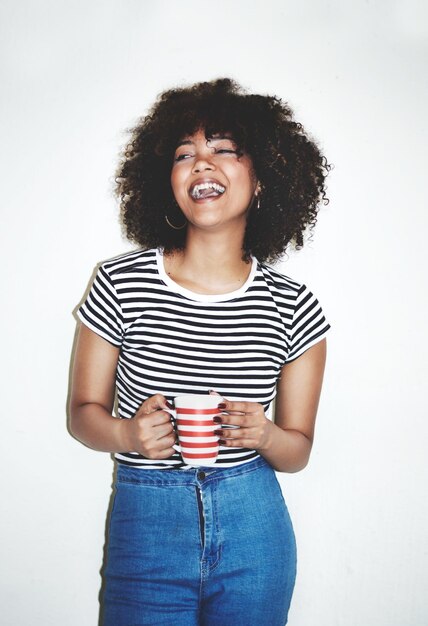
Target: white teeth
x,y
197,188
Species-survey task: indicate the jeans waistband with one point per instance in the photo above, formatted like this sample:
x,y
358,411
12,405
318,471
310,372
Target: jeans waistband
x,y
194,476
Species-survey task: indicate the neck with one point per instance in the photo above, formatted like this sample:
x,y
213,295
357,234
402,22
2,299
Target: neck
x,y
210,263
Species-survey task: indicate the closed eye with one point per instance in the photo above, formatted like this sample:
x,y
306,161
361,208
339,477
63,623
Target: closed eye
x,y
181,157
221,150
186,155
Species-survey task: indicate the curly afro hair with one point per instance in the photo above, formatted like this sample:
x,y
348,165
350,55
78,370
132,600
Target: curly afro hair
x,y
288,164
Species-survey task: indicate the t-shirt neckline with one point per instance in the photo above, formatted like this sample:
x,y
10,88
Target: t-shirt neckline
x,y
203,297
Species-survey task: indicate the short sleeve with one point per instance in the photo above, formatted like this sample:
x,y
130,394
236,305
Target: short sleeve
x,y
101,311
309,325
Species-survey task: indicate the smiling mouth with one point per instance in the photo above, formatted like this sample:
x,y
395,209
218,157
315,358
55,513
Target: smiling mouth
x,y
207,190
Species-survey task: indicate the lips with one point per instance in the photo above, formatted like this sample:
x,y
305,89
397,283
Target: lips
x,y
206,188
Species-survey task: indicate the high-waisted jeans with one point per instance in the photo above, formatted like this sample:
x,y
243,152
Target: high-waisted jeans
x,y
200,547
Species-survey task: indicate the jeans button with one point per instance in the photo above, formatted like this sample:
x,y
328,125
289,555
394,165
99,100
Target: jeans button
x,y
201,475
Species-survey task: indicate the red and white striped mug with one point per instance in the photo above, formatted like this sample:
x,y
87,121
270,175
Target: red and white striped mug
x,y
194,414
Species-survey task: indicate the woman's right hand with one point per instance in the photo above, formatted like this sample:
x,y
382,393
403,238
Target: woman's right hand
x,y
150,432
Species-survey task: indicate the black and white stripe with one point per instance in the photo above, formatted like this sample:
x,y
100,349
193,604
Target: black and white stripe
x,y
175,342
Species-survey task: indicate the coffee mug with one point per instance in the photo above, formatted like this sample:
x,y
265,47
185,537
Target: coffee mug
x,y
194,414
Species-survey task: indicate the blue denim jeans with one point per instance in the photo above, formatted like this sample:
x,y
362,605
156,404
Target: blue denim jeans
x,y
199,547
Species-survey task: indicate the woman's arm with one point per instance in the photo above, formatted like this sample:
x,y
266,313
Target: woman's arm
x,y
149,432
285,444
92,393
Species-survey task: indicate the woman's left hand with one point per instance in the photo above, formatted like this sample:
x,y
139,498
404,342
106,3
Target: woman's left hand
x,y
255,429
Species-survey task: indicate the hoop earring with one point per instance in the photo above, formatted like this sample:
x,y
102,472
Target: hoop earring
x,y
172,225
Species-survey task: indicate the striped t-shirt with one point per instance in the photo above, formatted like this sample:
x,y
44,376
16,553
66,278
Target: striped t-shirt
x,y
174,342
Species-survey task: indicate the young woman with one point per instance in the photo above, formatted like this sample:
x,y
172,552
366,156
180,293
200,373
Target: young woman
x,y
213,183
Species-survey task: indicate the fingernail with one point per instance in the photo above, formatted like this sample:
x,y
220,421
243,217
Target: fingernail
x,y
169,405
222,442
218,433
222,405
217,419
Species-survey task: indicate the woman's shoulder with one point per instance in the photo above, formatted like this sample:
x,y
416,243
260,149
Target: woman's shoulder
x,y
129,262
288,292
280,281
301,310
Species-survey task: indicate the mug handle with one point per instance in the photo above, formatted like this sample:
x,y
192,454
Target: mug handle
x,y
173,413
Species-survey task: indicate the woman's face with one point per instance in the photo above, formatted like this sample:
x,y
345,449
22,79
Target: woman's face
x,y
213,183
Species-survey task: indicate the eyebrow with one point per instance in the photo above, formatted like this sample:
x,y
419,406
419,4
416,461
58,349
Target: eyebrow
x,y
187,142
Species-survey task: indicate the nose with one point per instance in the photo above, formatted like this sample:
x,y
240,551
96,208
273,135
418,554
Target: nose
x,y
203,162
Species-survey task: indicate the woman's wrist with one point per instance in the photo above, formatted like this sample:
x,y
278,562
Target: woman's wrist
x,y
269,436
123,435
286,450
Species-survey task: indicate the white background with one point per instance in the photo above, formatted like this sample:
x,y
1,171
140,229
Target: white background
x,y
75,74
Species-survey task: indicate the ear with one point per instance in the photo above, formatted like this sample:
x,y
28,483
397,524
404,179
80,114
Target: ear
x,y
258,189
